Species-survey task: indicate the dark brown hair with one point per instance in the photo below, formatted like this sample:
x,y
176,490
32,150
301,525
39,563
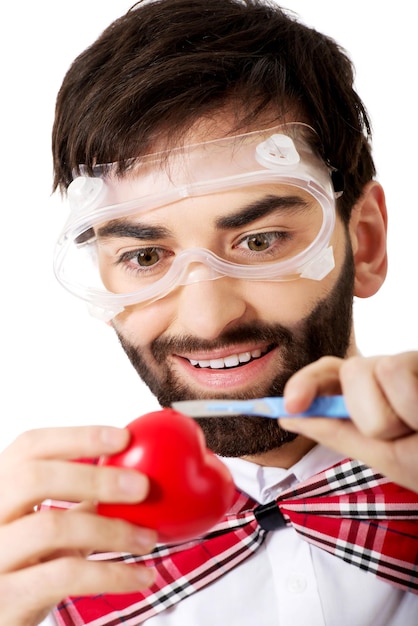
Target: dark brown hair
x,y
167,63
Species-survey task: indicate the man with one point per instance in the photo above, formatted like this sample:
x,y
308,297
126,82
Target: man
x,y
224,213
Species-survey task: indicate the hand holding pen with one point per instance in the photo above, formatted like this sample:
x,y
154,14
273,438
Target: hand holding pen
x,y
381,396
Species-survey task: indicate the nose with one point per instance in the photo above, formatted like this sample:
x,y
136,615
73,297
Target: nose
x,y
208,308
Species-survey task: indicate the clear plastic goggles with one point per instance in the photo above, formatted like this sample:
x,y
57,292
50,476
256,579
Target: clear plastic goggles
x,y
109,256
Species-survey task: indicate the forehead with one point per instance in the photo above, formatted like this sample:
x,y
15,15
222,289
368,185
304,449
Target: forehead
x,y
216,165
223,208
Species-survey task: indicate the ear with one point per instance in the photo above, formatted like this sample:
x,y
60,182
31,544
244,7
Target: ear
x,y
368,231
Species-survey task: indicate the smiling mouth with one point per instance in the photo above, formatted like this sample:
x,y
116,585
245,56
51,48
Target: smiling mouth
x,y
231,361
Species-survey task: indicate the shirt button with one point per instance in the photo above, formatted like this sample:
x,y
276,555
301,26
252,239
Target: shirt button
x,y
296,583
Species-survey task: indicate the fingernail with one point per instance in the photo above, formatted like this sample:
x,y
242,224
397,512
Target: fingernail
x,y
146,576
113,438
290,397
145,539
133,484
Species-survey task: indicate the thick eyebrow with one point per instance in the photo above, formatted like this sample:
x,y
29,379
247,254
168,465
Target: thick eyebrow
x,y
243,217
261,208
133,230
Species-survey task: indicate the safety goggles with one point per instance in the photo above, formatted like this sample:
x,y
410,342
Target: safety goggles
x,y
111,254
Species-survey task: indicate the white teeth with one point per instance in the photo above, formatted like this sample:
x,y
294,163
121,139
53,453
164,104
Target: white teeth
x,y
230,361
217,364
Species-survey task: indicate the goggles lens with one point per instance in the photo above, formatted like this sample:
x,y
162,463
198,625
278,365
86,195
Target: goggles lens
x,y
278,219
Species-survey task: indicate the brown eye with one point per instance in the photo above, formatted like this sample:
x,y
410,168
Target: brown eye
x,y
259,242
148,257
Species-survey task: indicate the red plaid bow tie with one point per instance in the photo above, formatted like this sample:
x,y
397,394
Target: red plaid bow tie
x,y
347,510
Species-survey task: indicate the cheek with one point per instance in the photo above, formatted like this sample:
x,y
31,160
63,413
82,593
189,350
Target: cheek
x,y
303,295
289,302
141,325
286,303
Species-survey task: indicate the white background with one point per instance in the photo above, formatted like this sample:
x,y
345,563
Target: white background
x,y
59,366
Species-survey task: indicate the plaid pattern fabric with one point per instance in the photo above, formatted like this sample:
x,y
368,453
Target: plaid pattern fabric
x,y
348,510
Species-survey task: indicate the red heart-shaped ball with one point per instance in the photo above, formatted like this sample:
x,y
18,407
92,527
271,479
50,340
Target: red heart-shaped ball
x,y
190,488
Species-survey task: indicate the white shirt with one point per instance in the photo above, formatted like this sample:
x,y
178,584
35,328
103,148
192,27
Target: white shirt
x,y
288,582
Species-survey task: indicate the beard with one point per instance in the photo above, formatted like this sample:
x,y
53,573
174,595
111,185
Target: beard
x,y
325,331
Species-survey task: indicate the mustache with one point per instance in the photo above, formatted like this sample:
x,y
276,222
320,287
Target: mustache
x,y
257,332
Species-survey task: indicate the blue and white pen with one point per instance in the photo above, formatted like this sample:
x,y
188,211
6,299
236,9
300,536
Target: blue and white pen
x,y
324,406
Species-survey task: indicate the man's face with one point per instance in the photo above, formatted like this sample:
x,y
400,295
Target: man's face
x,y
230,337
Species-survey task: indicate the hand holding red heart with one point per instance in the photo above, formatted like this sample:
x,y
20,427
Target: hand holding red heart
x,y
190,488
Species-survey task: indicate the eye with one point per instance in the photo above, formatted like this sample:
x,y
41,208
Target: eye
x,y
261,242
143,259
258,242
147,257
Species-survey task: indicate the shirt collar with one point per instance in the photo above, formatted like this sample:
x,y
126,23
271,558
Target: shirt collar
x,y
266,483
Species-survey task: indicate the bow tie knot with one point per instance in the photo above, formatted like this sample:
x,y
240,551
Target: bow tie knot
x,y
269,516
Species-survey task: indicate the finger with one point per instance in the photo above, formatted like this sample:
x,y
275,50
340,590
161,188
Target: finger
x,y
74,482
366,400
395,459
339,435
398,376
318,378
43,535
66,443
30,591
